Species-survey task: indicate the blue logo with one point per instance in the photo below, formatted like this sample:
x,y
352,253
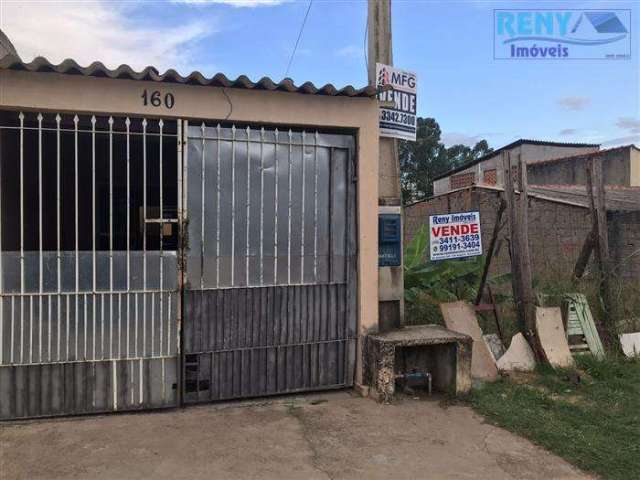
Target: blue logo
x,y
562,34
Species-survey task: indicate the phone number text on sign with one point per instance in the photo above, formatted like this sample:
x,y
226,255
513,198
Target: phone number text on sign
x,y
455,235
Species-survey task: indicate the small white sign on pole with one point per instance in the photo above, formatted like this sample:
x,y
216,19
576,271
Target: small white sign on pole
x,y
399,119
455,235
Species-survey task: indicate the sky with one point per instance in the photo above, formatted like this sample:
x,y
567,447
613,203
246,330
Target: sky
x,y
449,44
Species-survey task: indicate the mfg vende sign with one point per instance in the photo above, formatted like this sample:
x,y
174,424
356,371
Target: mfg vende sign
x,y
398,114
562,34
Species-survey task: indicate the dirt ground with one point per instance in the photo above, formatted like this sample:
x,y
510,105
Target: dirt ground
x,y
329,436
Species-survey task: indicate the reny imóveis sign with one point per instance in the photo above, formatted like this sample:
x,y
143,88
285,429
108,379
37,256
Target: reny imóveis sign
x,y
398,120
455,235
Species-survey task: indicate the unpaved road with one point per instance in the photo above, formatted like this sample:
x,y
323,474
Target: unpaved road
x,y
328,436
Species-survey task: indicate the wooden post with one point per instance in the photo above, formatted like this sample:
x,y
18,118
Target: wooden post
x,y
595,188
585,254
522,282
492,246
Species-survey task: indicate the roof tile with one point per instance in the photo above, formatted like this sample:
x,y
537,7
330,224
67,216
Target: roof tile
x,y
98,69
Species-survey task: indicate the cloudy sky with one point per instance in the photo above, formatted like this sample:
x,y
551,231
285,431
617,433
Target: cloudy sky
x,y
448,43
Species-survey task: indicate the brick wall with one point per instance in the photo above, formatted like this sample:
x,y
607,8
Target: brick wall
x,y
624,242
556,231
490,177
462,180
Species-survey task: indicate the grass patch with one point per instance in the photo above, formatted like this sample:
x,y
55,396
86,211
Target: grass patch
x,y
591,419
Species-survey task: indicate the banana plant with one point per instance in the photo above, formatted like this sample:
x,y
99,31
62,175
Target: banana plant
x,y
444,280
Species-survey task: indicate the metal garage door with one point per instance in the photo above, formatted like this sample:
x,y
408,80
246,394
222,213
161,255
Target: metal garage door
x,y
89,296
270,284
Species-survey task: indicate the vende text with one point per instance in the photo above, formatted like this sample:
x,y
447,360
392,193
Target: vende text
x,y
448,231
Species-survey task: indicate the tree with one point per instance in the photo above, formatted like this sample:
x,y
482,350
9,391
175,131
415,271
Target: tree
x,y
426,158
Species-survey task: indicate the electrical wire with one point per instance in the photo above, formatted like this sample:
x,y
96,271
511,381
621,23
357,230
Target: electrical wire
x,y
293,53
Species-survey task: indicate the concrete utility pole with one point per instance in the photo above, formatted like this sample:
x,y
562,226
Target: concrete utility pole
x,y
390,279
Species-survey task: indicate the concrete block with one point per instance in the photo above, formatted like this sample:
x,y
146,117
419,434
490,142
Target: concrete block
x,y
553,339
630,344
431,348
518,357
496,347
460,317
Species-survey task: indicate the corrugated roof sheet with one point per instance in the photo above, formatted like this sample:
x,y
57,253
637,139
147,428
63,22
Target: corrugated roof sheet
x,y
517,143
151,74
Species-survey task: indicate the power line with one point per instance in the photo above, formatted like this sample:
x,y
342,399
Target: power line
x,y
298,39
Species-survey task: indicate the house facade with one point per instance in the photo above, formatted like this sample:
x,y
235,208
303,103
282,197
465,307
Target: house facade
x,y
169,240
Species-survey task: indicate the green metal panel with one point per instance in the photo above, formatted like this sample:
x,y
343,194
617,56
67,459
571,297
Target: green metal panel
x,y
580,322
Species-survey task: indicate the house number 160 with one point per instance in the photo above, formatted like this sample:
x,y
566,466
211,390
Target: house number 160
x,y
156,99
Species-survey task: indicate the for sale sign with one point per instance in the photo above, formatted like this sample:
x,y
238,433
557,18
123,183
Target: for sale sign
x,y
455,235
398,115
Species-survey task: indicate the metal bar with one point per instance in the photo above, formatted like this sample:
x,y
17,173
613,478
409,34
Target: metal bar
x,y
144,243
315,210
102,326
58,235
22,279
1,269
248,206
153,315
128,282
47,294
261,206
40,260
119,324
142,292
140,382
202,208
68,328
136,318
85,325
168,351
289,215
49,320
31,329
11,357
77,229
233,203
93,233
81,130
302,216
218,210
161,202
275,229
111,239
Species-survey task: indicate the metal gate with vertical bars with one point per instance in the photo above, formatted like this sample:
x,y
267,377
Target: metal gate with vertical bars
x,y
143,261
88,264
270,287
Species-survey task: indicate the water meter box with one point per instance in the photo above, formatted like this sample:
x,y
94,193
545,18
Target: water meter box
x,y
389,240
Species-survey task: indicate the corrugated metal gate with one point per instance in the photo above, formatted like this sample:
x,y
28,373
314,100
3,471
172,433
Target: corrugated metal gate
x,y
108,235
270,286
88,267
